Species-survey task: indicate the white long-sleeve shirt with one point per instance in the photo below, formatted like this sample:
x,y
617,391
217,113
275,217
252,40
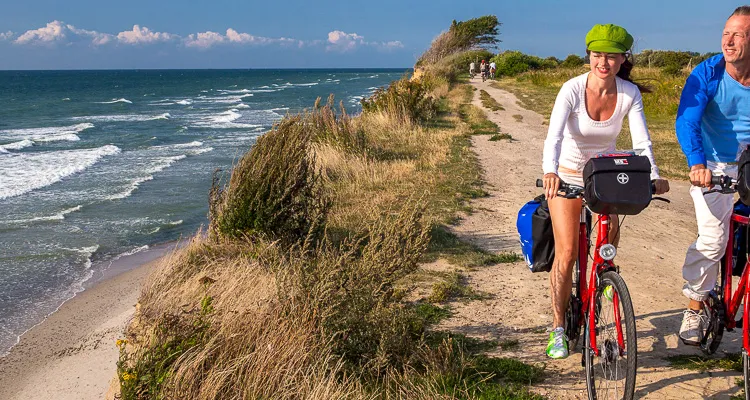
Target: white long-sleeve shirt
x,y
573,137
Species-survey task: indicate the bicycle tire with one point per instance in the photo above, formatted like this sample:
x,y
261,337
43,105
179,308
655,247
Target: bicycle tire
x,y
746,373
714,308
611,375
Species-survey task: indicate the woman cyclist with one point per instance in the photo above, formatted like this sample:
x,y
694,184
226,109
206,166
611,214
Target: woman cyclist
x,y
586,119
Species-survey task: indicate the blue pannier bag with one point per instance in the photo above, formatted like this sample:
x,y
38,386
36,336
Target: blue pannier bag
x,y
535,232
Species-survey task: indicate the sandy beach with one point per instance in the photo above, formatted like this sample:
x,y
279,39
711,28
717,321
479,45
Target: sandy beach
x,y
72,353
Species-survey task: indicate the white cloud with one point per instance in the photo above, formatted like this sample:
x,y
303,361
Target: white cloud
x,y
204,40
144,36
342,41
58,32
6,35
55,31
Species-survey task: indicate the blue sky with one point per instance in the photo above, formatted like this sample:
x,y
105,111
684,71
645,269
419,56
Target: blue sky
x,y
88,34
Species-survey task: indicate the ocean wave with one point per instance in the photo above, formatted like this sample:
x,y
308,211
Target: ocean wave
x,y
159,165
46,134
185,102
131,252
23,172
242,105
161,116
200,151
66,99
88,251
56,217
122,118
174,223
115,101
223,99
224,120
16,145
162,103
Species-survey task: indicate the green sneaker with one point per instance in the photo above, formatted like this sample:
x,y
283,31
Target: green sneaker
x,y
557,347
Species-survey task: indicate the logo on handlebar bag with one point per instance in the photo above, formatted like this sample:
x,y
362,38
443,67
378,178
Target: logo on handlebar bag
x,y
623,178
621,161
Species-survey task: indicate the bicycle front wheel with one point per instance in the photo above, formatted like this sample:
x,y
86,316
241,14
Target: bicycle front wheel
x,y
746,372
611,374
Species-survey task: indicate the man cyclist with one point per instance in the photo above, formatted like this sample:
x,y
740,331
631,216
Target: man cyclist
x,y
472,69
712,125
493,67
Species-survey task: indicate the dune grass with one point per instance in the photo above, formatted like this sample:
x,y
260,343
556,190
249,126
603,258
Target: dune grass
x,y
298,288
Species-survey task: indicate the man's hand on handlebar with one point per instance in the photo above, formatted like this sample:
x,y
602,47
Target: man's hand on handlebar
x,y
551,185
661,186
700,176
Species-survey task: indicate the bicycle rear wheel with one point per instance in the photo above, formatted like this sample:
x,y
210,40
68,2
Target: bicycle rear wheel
x,y
611,375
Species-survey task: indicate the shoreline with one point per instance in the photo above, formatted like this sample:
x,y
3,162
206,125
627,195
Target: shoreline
x,y
71,354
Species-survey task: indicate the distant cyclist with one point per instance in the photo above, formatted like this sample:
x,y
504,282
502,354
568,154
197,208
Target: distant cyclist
x,y
712,126
586,119
493,67
472,69
483,69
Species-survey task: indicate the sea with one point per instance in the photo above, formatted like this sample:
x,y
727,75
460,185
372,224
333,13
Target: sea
x,y
99,165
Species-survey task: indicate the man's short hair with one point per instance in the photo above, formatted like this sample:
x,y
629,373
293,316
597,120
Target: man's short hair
x,y
741,10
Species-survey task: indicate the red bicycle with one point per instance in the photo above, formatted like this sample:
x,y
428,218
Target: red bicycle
x,y
600,304
722,305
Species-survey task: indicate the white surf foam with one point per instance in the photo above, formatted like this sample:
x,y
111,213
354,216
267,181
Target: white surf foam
x,y
115,101
185,102
66,99
200,151
159,165
56,217
24,172
16,145
122,118
178,222
46,134
131,252
224,120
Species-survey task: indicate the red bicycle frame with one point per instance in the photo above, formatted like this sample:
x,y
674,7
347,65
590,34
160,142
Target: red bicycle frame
x,y
588,290
732,301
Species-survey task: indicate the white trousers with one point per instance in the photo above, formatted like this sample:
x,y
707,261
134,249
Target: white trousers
x,y
712,212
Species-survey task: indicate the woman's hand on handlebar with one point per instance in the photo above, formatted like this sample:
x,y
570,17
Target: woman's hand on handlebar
x,y
661,186
551,185
700,176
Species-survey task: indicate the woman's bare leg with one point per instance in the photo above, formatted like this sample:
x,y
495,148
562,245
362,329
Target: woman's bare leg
x,y
565,215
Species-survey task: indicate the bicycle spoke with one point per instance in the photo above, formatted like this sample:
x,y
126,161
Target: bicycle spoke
x,y
611,374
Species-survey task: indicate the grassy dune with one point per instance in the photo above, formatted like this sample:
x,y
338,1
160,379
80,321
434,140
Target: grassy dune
x,y
305,283
537,90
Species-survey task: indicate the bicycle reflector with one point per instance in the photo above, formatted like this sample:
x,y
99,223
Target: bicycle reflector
x,y
608,252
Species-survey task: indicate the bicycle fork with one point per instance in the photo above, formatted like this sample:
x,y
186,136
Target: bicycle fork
x,y
598,266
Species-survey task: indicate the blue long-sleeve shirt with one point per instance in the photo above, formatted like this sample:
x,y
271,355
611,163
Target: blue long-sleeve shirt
x,y
713,118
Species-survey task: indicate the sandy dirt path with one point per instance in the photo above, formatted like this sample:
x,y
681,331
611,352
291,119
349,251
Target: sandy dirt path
x,y
651,252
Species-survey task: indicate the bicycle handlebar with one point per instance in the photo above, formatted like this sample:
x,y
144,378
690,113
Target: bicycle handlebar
x,y
572,191
726,184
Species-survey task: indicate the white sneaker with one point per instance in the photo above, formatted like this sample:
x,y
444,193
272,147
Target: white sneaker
x,y
693,327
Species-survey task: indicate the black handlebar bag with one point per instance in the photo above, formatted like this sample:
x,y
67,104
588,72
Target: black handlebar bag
x,y
743,176
617,184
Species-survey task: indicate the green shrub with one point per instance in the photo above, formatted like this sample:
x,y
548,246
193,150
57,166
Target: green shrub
x,y
403,98
512,63
572,61
672,70
273,190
